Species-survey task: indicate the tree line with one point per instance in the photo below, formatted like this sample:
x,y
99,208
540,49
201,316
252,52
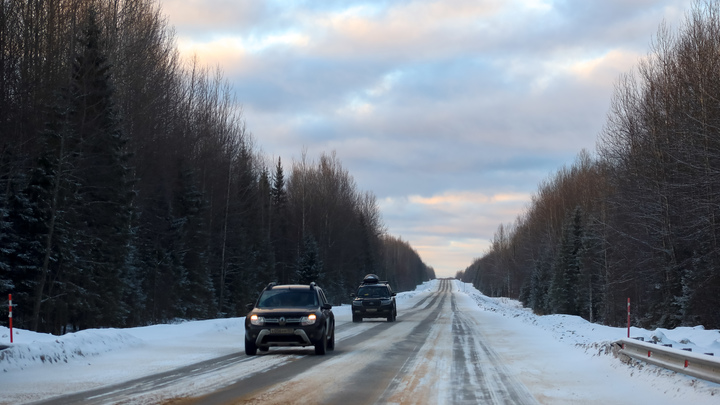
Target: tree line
x,y
641,218
132,193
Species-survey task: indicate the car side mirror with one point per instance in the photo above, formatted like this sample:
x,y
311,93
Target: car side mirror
x,y
393,294
326,306
250,306
352,295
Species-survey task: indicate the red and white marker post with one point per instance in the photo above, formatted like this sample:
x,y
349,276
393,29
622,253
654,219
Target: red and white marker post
x,y
10,315
628,317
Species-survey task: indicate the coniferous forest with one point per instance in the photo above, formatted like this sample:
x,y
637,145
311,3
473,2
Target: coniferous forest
x,y
132,193
641,218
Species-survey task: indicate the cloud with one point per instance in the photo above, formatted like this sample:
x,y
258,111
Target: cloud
x,y
454,255
450,111
450,229
465,199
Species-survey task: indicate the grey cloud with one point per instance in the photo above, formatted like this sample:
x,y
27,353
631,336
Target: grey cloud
x,y
489,108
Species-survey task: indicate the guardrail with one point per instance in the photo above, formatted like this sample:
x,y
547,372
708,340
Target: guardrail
x,y
694,364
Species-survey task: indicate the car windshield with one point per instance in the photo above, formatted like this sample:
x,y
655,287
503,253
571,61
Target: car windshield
x,y
373,292
287,298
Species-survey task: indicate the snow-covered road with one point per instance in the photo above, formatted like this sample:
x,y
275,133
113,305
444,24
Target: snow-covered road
x,y
451,344
431,355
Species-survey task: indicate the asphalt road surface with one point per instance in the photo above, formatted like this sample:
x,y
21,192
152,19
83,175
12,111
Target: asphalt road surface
x,y
433,354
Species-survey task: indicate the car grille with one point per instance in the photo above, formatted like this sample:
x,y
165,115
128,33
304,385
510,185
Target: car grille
x,y
371,303
276,321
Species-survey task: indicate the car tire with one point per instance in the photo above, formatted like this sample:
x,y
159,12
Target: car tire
x,y
357,318
321,345
331,341
250,347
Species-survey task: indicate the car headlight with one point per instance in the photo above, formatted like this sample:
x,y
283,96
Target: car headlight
x,y
308,320
385,302
257,320
357,303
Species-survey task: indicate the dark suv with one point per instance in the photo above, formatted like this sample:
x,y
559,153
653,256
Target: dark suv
x,y
290,315
373,299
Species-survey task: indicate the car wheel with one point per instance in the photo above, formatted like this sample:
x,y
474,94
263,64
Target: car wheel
x,y
321,345
357,318
331,341
250,347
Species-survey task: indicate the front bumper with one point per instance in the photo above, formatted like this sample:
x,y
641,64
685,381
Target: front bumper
x,y
372,312
280,336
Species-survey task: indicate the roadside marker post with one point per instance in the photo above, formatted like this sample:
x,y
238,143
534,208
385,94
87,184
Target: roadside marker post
x,y
628,318
10,315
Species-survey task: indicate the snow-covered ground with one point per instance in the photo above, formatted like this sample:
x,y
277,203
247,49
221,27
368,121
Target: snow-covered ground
x,y
39,366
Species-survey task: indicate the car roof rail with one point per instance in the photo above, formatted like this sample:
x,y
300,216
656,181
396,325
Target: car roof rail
x,y
271,285
312,285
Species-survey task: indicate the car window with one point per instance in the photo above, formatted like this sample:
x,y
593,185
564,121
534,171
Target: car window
x,y
287,298
373,292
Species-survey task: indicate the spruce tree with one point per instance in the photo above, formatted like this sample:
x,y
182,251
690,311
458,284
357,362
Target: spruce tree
x,y
197,293
106,185
309,267
42,221
538,296
566,291
279,225
6,248
9,246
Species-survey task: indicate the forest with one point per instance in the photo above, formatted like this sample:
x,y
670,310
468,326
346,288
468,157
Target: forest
x,y
639,218
132,193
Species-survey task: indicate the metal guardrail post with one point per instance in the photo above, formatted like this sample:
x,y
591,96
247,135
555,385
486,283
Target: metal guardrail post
x,y
697,365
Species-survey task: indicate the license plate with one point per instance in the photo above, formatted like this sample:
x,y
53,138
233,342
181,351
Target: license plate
x,y
372,309
281,331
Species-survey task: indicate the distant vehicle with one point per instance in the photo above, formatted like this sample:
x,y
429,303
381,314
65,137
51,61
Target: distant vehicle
x,y
290,315
373,299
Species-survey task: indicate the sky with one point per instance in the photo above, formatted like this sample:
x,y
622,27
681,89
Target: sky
x,y
560,359
450,112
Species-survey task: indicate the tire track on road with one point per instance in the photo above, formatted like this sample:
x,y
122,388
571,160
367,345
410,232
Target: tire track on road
x,y
358,372
478,370
237,364
375,383
434,353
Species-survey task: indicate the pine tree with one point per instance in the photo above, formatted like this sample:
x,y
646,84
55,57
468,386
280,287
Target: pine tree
x,y
106,185
135,295
162,275
265,253
8,244
197,294
566,292
279,225
538,298
6,248
592,259
42,214
309,267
